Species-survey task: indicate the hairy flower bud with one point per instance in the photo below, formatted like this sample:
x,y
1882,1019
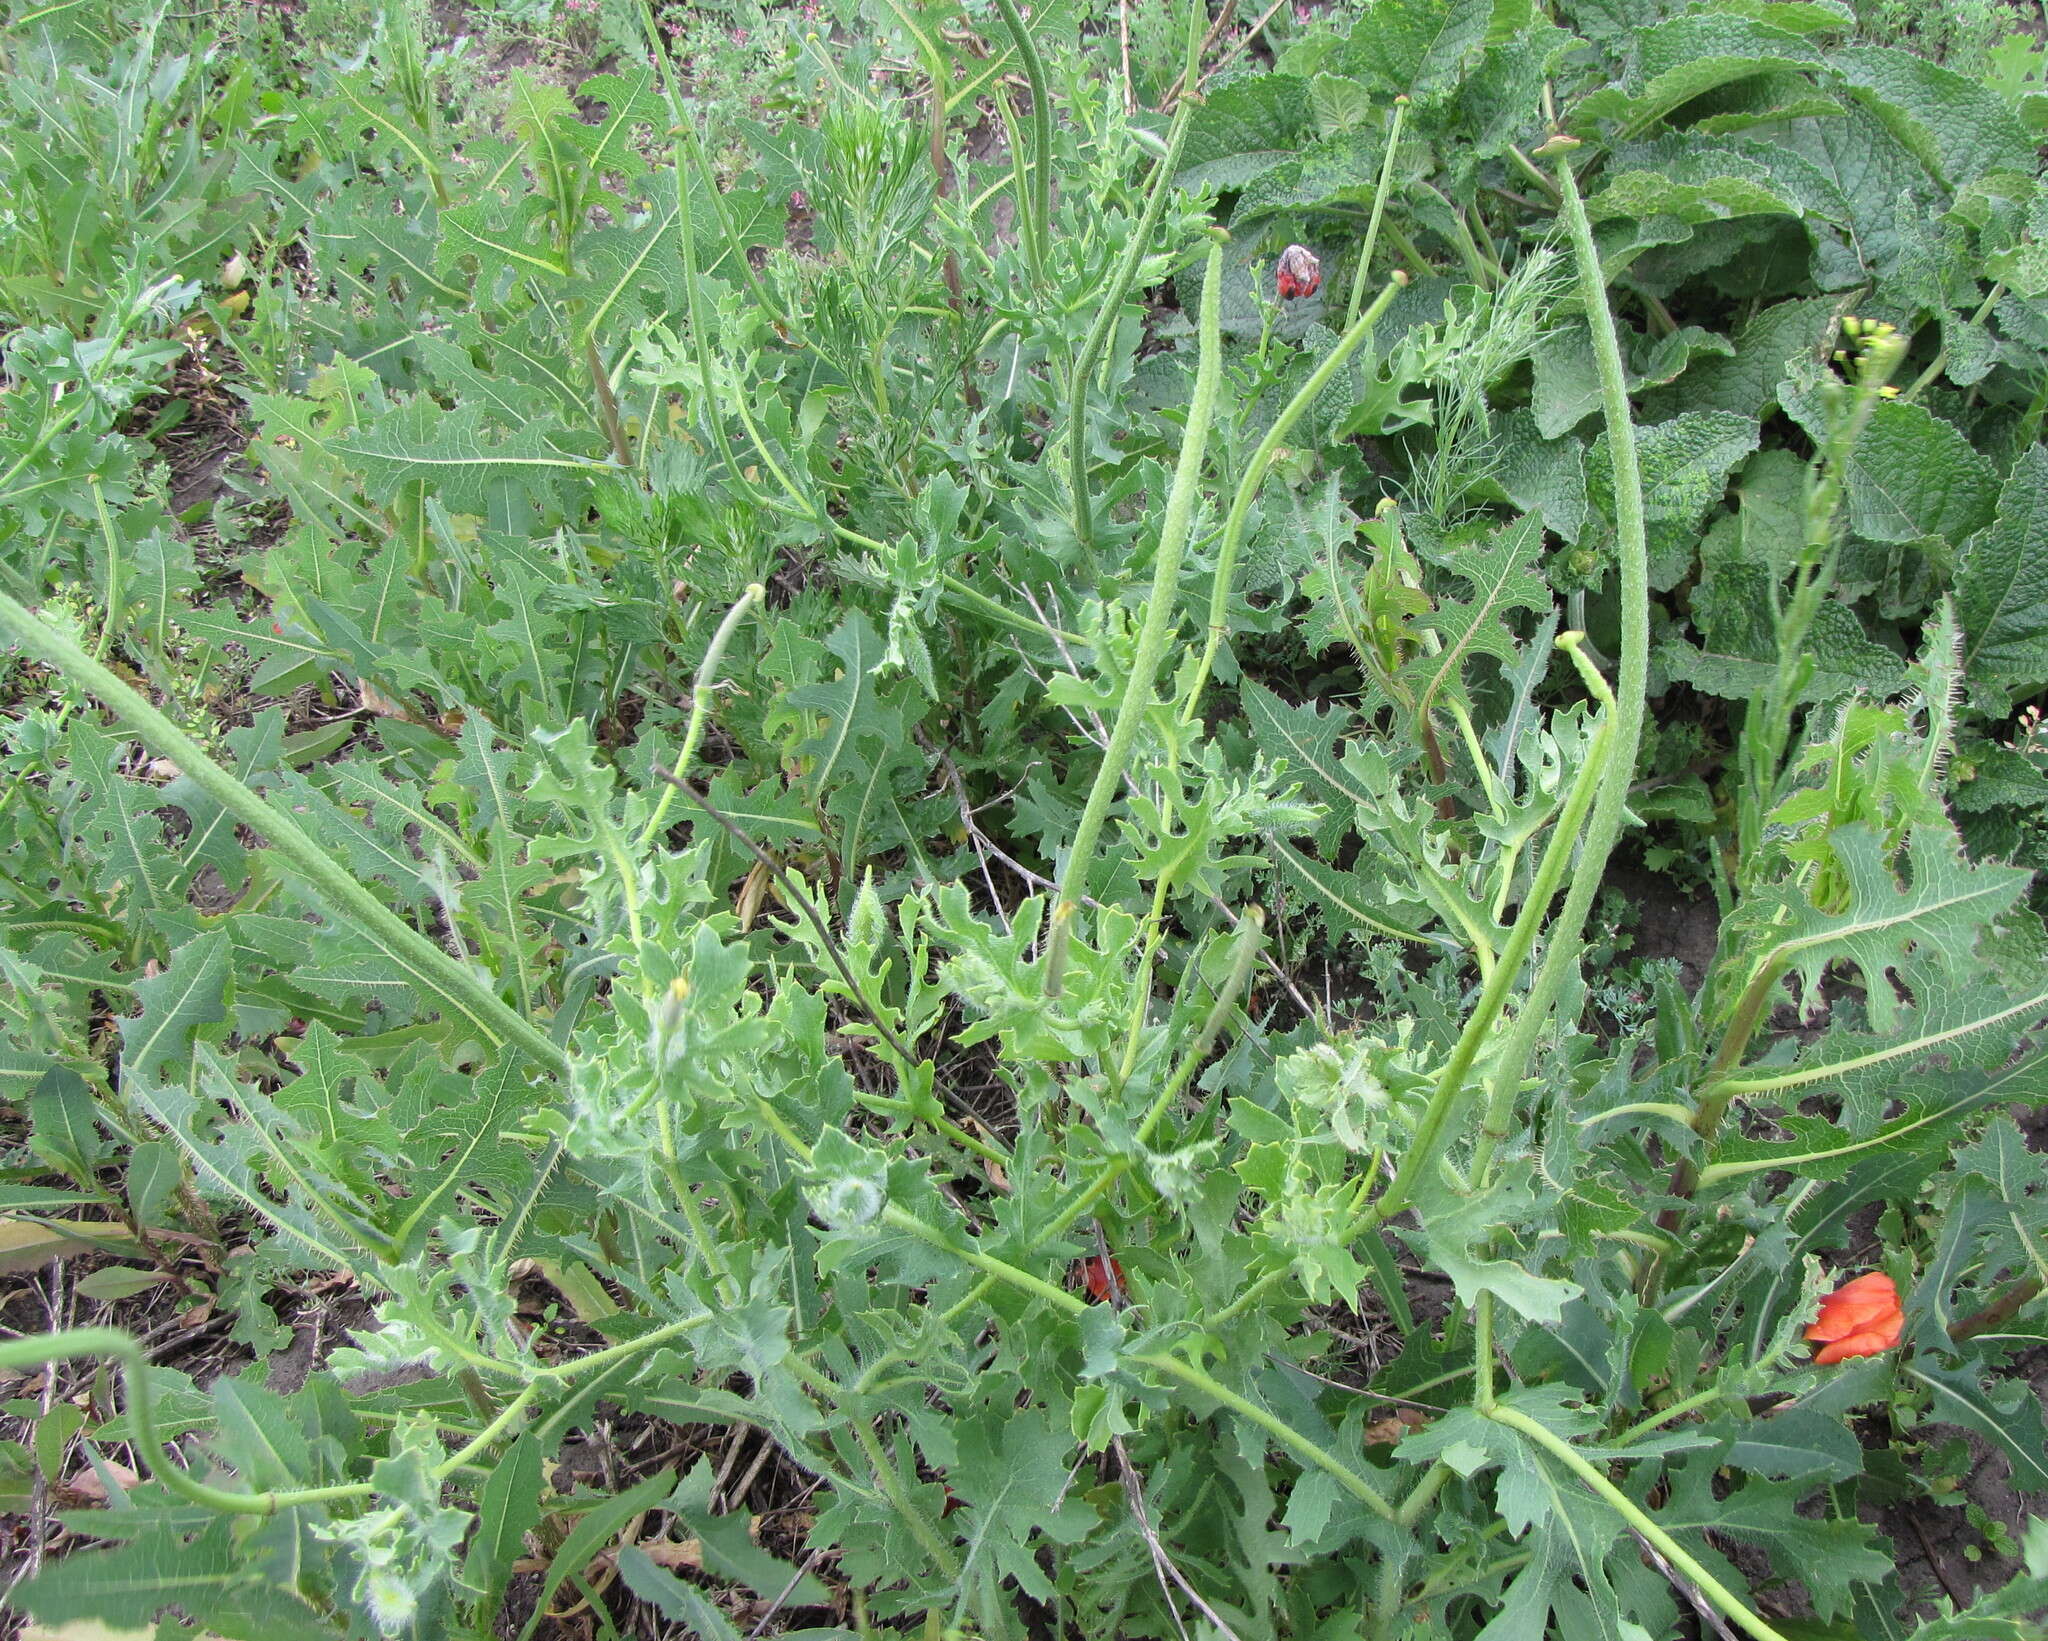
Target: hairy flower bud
x,y
1299,273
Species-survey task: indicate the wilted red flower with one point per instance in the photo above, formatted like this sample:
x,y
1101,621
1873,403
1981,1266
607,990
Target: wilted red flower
x,y
1102,1276
1859,1318
1299,273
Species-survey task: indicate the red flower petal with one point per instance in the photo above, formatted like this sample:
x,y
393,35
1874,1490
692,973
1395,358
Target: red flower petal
x,y
1860,1318
1102,1277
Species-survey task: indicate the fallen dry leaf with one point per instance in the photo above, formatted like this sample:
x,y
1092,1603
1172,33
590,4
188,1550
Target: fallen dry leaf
x,y
89,1486
1401,1422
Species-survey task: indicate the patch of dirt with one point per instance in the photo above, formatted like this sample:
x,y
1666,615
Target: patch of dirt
x,y
1670,925
1940,1554
201,420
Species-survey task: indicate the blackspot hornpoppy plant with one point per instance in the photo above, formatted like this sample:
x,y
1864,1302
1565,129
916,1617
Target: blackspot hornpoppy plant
x,y
1860,1318
1300,273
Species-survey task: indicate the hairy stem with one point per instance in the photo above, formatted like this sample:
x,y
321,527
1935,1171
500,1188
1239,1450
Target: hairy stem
x,y
1431,1132
1255,475
1161,615
1038,208
1558,957
1113,301
457,985
1379,209
1724,1601
700,706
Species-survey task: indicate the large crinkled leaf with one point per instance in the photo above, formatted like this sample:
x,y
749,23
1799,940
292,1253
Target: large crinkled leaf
x,y
1745,383
1420,48
1844,657
1685,465
1693,182
1956,128
2002,583
1496,99
1612,24
1913,475
1686,57
1567,384
1865,167
1546,477
1745,558
1342,170
1243,129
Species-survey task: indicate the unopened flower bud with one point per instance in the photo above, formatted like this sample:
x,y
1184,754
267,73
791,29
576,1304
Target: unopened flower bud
x,y
1300,273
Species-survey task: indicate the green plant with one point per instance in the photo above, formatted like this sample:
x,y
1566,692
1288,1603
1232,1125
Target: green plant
x,y
831,798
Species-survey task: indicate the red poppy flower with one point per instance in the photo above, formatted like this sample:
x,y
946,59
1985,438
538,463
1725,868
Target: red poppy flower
x,y
1860,1318
1299,273
1102,1276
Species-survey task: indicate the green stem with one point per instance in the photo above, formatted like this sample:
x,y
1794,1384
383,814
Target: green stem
x,y
113,546
1719,1091
1625,721
1677,1410
1141,982
1162,612
1559,956
700,707
1430,1132
1416,1505
607,404
1729,1605
910,1224
1767,725
1251,939
1834,1070
1038,210
489,1436
615,1353
1255,475
425,964
112,1342
906,1507
1281,1431
1379,207
1119,288
1478,268
1534,172
700,162
1940,363
961,592
1482,1351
